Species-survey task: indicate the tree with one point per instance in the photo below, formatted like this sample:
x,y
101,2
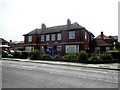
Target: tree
x,y
117,45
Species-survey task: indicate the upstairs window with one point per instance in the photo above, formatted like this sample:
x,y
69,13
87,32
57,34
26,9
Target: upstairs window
x,y
59,36
71,34
30,38
53,37
42,37
47,37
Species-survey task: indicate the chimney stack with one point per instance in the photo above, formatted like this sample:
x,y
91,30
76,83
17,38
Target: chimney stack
x,y
10,41
43,26
102,36
68,23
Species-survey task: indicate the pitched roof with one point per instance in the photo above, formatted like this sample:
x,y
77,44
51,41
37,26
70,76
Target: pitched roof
x,y
105,37
55,29
3,40
101,42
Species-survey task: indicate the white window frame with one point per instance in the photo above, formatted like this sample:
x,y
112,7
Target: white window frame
x,y
30,38
42,37
72,49
53,37
71,34
47,37
59,36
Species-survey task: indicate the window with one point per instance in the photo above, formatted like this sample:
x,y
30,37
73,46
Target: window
x,y
72,49
47,37
107,48
29,48
97,48
42,37
71,34
59,48
53,37
59,36
30,38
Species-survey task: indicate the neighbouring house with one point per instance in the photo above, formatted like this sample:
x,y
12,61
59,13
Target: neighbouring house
x,y
63,39
17,45
105,43
4,45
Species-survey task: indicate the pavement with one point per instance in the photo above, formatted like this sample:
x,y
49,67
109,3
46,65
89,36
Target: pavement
x,y
111,66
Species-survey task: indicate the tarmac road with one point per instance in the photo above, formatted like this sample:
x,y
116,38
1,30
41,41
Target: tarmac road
x,y
35,75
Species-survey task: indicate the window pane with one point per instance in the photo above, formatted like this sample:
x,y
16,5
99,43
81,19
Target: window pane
x,y
47,37
72,48
59,36
30,38
53,37
42,38
71,34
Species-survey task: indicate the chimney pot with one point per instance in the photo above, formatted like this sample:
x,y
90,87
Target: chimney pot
x,y
68,23
43,26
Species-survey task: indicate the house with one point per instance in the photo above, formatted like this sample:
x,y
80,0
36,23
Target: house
x,y
105,43
4,45
17,45
62,39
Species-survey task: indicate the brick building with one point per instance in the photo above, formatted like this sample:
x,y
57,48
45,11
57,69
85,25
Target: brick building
x,y
105,43
69,38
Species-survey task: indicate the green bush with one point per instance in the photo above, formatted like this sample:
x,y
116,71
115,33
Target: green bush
x,y
35,54
70,56
24,55
57,57
95,56
16,54
83,55
115,55
45,56
4,55
106,57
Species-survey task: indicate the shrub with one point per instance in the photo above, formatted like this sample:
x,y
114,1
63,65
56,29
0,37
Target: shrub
x,y
24,55
16,54
95,56
115,55
4,55
70,56
35,54
83,55
106,57
45,56
57,57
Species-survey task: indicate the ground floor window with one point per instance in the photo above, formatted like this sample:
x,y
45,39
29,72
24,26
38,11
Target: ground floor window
x,y
97,48
59,48
72,49
107,48
29,48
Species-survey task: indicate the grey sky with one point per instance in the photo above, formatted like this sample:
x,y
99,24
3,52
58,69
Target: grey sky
x,y
18,17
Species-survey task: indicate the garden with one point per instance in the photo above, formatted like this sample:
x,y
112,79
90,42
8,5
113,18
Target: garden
x,y
112,56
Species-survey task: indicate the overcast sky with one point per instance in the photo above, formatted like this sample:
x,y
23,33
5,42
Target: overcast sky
x,y
18,17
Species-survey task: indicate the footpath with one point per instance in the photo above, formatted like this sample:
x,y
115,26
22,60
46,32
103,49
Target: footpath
x,y
110,66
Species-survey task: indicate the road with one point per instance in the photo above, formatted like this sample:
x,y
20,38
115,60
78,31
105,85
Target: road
x,y
35,75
